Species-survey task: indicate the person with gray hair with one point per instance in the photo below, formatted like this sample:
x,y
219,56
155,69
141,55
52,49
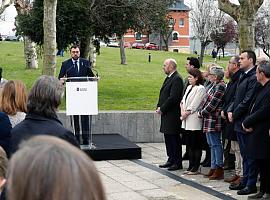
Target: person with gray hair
x,y
46,167
41,118
256,126
209,110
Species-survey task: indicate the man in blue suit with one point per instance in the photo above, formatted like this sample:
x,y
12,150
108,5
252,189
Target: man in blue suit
x,y
78,67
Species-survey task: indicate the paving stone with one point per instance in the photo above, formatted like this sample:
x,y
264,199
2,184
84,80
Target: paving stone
x,y
139,185
126,196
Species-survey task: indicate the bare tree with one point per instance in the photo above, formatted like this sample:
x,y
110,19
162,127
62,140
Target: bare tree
x,y
262,31
30,53
49,24
4,4
206,20
244,14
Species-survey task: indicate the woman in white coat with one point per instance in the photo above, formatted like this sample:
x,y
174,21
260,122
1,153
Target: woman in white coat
x,y
193,96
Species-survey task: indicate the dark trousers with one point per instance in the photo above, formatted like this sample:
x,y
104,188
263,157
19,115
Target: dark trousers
x,y
264,166
81,126
250,167
173,148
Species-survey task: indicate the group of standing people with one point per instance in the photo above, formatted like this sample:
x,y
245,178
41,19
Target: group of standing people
x,y
232,115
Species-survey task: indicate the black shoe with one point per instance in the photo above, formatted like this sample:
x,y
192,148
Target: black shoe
x,y
259,195
185,156
175,167
266,196
166,165
247,190
236,187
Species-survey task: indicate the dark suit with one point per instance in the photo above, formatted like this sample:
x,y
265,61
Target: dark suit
x,y
243,96
68,70
169,102
5,128
258,141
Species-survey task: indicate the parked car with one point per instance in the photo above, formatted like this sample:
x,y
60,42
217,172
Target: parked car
x,y
113,44
151,46
11,38
138,45
226,54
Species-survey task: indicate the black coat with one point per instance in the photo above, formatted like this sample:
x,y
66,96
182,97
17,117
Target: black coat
x,y
68,70
5,135
258,142
169,102
227,100
242,98
34,124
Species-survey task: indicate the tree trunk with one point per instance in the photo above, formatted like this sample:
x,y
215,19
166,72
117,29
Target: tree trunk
x,y
49,24
92,52
30,54
244,14
85,47
203,46
122,51
246,29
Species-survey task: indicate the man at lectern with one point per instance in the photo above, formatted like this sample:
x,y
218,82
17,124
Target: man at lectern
x,y
78,67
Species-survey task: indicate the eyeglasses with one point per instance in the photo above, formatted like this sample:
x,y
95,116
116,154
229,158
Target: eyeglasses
x,y
75,51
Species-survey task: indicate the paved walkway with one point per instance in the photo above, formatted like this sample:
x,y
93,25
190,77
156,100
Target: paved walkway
x,y
143,180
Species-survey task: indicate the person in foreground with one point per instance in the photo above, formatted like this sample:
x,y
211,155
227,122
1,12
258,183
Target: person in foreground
x,y
52,169
168,107
256,126
41,118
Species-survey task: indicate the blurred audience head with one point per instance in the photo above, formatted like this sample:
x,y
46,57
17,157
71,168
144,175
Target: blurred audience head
x,y
196,73
192,62
263,72
45,96
48,168
216,73
13,97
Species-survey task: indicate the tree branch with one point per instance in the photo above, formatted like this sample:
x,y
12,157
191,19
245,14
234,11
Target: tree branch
x,y
5,4
229,8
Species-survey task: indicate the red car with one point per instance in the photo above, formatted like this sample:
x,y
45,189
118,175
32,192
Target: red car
x,y
138,45
151,46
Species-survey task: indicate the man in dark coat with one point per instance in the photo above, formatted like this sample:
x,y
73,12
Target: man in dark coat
x,y
169,108
257,126
41,119
77,67
5,135
233,73
237,112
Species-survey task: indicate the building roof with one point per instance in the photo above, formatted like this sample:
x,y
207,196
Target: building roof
x,y
179,5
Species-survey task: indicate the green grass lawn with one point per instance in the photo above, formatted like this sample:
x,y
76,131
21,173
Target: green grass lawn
x,y
134,86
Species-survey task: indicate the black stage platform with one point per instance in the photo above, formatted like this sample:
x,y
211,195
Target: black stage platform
x,y
112,147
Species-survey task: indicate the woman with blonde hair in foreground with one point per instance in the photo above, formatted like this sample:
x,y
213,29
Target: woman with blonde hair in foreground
x,y
52,169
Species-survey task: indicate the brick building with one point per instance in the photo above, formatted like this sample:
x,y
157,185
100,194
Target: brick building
x,y
179,39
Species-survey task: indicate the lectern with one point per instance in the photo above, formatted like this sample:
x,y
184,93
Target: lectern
x,y
82,99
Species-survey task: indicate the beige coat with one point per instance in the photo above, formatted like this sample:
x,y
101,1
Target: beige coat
x,y
191,103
